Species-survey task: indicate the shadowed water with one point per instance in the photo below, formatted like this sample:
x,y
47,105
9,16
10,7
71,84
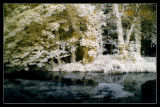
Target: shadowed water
x,y
73,88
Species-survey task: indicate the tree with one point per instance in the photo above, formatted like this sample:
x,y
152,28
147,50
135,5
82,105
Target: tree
x,y
128,19
39,34
119,28
140,13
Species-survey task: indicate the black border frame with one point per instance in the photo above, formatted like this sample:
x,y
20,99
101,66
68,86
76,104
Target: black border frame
x,y
78,1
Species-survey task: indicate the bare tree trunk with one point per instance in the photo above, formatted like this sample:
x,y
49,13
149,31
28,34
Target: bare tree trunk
x,y
59,60
119,29
52,65
73,56
138,38
100,49
58,57
128,34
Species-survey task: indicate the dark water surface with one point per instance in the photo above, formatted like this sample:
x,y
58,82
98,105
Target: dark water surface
x,y
78,88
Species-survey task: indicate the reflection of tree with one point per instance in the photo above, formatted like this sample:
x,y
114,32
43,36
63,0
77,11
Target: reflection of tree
x,y
115,78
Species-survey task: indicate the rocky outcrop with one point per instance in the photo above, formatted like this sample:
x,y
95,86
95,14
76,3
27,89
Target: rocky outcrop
x,y
148,90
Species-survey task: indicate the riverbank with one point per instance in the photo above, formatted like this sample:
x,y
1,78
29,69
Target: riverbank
x,y
109,64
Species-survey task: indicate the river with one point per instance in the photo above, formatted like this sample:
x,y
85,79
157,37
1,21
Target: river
x,y
78,88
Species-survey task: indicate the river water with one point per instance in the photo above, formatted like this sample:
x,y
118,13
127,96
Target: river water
x,y
97,88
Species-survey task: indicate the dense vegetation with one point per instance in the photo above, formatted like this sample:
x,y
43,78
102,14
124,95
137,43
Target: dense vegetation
x,y
79,37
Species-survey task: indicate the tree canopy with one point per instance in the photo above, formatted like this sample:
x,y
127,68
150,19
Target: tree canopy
x,y
50,35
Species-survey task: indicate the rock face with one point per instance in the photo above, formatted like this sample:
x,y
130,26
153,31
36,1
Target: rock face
x,y
148,90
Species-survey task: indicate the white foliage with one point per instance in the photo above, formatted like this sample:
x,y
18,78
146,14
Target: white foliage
x,y
38,15
92,53
37,54
53,26
109,63
82,9
69,67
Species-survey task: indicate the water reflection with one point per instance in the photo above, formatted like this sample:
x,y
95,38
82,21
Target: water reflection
x,y
108,88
